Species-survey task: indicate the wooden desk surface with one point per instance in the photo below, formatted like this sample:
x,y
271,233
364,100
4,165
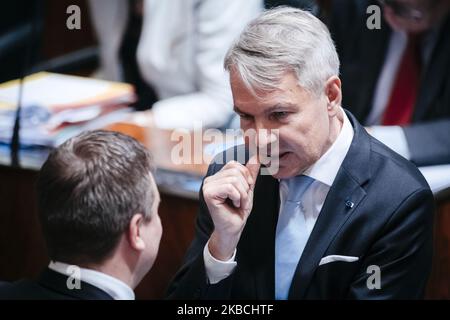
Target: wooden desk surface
x,y
162,142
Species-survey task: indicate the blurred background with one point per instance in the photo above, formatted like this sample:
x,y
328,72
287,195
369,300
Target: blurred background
x,y
149,67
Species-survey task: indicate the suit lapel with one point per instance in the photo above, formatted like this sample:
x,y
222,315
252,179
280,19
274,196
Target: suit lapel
x,y
333,215
263,240
342,200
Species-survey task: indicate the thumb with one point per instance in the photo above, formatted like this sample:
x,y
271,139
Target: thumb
x,y
253,166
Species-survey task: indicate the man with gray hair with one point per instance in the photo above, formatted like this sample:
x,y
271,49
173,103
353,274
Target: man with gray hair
x,y
343,216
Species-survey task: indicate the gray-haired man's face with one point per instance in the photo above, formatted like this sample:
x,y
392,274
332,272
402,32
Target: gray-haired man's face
x,y
304,124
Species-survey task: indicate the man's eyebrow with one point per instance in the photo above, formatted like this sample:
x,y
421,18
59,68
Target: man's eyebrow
x,y
237,110
280,106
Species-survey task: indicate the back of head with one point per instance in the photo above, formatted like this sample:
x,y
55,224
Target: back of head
x,y
88,190
283,40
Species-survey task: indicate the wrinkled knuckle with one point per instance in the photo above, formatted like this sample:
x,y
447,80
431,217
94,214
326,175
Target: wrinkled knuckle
x,y
239,171
234,179
230,164
229,187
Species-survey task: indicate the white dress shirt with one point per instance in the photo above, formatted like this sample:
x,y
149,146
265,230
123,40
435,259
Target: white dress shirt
x,y
324,172
180,54
392,136
117,289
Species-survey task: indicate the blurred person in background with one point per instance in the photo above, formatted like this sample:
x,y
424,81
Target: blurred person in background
x,y
397,78
172,51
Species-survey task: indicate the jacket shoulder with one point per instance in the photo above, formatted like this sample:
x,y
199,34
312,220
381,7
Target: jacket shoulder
x,y
26,290
396,169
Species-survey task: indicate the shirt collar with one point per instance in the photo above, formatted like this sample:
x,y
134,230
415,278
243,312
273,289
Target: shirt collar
x,y
117,289
326,168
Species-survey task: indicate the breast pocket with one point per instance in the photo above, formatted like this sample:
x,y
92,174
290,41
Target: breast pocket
x,y
334,276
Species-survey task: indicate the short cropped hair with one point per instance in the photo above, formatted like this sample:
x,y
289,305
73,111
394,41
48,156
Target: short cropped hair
x,y
88,190
284,40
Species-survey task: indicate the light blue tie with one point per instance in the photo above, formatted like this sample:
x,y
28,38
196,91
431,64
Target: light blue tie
x,y
291,236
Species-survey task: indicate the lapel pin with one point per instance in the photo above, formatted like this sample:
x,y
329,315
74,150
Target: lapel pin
x,y
349,204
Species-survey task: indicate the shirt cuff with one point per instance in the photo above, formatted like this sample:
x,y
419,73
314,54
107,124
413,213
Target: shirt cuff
x,y
394,137
217,270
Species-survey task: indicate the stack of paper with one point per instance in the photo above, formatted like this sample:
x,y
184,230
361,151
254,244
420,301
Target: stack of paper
x,y
56,107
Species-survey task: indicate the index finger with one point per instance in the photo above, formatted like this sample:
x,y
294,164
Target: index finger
x,y
253,166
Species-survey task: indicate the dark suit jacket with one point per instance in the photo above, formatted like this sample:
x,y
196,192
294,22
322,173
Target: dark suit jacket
x,y
389,225
50,285
362,53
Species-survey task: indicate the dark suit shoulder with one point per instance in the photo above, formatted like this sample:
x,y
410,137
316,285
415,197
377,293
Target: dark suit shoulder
x,y
28,290
50,285
396,170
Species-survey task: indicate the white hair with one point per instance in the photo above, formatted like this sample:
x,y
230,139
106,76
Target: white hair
x,y
284,40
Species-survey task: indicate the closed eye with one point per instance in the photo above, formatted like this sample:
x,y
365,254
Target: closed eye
x,y
244,116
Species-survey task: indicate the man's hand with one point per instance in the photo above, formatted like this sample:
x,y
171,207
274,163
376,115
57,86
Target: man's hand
x,y
229,197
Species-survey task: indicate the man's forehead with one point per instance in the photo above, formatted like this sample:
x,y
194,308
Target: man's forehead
x,y
278,99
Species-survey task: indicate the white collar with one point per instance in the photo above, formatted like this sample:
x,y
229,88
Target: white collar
x,y
326,168
117,289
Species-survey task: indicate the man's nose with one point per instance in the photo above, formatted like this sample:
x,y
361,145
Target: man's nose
x,y
265,137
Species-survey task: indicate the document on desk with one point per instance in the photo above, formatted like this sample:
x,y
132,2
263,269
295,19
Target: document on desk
x,y
57,92
56,106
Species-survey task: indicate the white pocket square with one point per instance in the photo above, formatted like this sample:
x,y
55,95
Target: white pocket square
x,y
334,258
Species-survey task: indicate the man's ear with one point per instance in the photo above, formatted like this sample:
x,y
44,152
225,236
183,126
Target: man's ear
x,y
134,232
333,94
